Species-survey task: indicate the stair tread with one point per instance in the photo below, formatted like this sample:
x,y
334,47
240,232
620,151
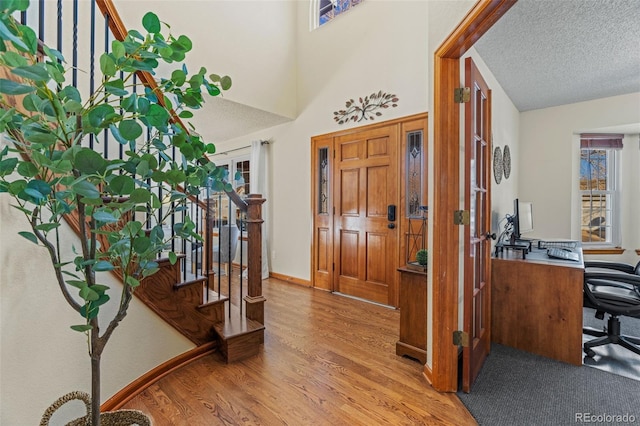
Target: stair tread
x,y
236,325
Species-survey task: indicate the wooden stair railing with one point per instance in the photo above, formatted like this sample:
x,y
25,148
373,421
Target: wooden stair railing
x,y
241,340
185,300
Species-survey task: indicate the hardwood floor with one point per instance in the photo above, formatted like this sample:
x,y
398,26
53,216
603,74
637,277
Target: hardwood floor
x,y
326,360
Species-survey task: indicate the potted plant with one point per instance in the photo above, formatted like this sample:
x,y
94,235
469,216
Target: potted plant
x,y
422,257
50,174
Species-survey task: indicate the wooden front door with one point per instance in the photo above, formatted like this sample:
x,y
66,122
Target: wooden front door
x,y
477,281
365,233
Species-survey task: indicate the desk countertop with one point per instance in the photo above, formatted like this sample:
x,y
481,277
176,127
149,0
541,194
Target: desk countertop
x,y
536,255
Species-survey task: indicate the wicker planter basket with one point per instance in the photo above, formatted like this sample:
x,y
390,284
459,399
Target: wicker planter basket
x,y
110,418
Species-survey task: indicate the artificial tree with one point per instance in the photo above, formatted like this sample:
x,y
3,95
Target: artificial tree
x,y
50,173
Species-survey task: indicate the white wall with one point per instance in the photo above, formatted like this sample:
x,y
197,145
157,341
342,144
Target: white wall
x,y
548,166
253,41
379,45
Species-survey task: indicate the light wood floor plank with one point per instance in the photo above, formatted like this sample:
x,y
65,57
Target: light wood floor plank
x,y
326,360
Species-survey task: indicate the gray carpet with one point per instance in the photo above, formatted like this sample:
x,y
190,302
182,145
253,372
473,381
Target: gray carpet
x,y
519,388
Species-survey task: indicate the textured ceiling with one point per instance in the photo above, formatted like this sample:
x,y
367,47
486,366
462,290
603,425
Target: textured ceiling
x,y
554,52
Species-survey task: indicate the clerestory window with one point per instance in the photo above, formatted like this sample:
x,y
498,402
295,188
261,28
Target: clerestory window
x,y
323,11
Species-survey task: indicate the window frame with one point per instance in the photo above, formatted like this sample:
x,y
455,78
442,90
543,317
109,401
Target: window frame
x,y
612,194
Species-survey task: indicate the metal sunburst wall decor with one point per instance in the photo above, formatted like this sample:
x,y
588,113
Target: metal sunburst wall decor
x,y
367,108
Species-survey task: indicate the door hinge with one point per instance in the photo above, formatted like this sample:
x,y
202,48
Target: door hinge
x,y
334,266
460,338
461,95
461,217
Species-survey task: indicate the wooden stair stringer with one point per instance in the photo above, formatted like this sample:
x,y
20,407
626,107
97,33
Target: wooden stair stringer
x,y
238,337
181,305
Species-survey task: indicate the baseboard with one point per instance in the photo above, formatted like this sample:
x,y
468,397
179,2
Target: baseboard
x,y
426,372
127,393
289,279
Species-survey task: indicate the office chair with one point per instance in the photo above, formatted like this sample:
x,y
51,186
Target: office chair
x,y
608,290
604,266
225,251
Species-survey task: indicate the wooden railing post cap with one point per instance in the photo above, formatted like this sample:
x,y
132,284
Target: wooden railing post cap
x,y
255,199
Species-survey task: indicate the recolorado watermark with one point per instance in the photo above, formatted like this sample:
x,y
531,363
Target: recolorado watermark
x,y
604,418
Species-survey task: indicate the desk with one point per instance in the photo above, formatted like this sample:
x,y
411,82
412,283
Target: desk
x,y
536,304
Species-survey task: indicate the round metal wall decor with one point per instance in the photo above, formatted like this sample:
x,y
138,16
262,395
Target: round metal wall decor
x,y
506,161
497,164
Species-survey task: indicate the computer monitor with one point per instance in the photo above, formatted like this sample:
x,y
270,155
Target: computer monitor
x,y
522,218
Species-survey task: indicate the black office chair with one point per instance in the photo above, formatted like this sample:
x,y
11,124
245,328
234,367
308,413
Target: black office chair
x,y
605,266
614,289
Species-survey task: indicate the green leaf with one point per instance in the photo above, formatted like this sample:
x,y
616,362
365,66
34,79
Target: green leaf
x,y
132,281
29,236
178,77
86,189
157,116
140,245
77,283
173,258
87,293
140,196
6,34
151,23
185,114
99,114
107,65
130,129
14,59
102,266
115,87
225,82
34,72
27,169
12,88
117,49
122,185
87,161
81,327
46,227
104,216
7,166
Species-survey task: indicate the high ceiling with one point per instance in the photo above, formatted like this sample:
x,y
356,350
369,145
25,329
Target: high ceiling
x,y
553,52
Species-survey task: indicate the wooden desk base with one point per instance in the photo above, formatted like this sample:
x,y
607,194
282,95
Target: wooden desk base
x,y
537,308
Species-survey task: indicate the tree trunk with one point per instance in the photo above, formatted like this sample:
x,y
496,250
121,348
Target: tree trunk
x,y
95,390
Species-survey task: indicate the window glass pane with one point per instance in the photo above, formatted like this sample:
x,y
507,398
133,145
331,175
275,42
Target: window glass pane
x,y
414,173
323,180
597,203
243,185
329,9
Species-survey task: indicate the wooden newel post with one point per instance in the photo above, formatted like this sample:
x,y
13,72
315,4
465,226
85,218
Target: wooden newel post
x,y
254,299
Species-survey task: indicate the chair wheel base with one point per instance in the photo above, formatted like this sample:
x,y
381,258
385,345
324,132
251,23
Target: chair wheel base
x,y
590,353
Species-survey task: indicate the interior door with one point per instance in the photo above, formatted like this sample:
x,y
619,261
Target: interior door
x,y
365,202
477,276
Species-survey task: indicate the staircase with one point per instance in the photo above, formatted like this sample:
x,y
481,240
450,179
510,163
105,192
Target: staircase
x,y
188,295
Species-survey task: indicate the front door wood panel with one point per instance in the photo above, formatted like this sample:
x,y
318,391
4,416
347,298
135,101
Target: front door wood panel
x,y
477,281
366,183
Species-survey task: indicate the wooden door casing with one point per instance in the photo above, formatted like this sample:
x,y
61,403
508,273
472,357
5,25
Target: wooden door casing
x,y
477,277
444,263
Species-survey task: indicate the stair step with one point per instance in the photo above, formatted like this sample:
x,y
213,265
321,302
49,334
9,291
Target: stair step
x,y
239,336
196,280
